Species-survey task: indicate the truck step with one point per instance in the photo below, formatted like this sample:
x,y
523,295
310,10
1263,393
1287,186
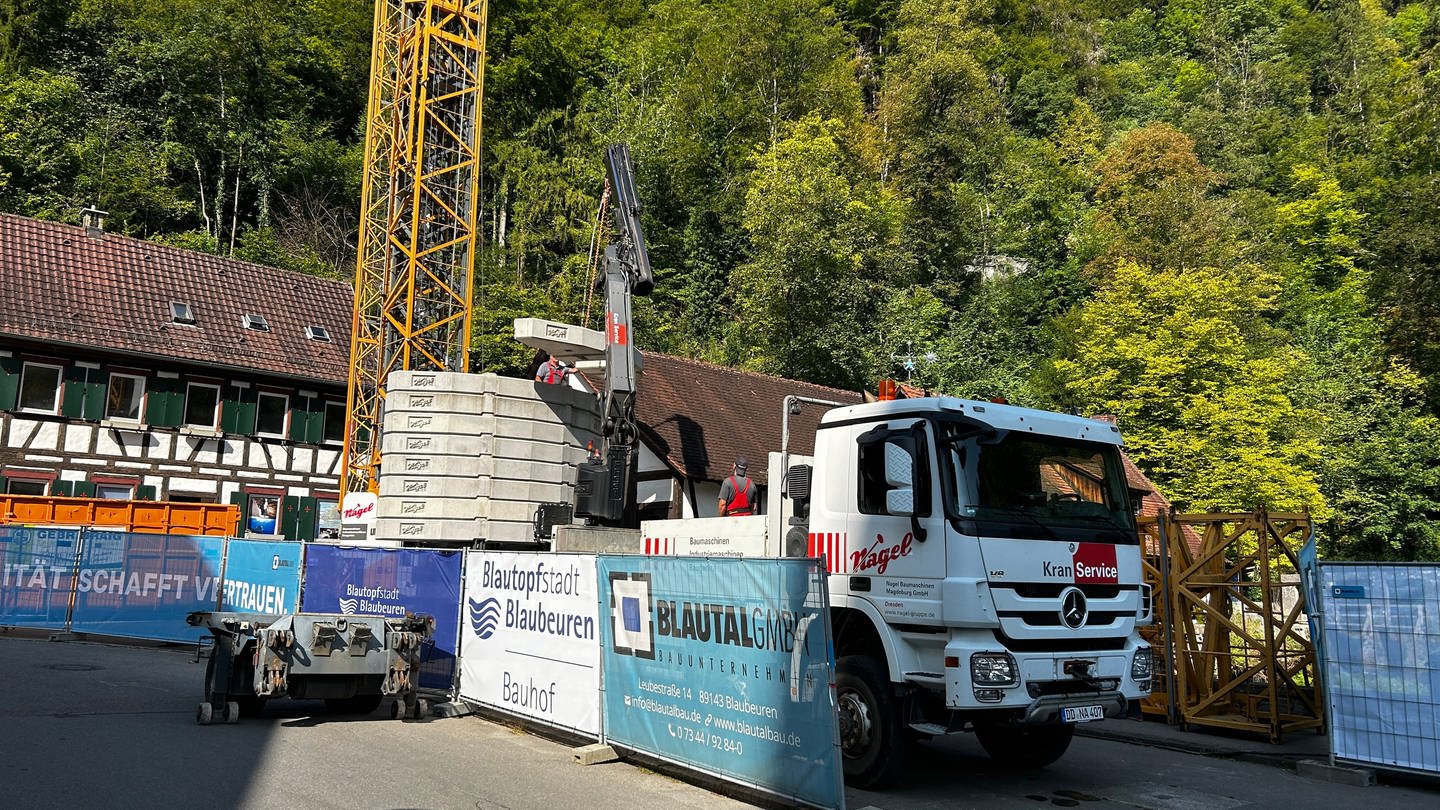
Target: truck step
x,y
933,729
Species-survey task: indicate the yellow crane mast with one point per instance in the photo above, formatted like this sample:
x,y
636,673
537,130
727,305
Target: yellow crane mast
x,y
419,206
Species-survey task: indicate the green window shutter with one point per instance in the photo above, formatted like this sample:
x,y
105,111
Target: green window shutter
x,y
72,401
165,402
9,382
237,410
305,519
62,487
95,384
144,493
238,498
299,419
84,489
307,419
290,518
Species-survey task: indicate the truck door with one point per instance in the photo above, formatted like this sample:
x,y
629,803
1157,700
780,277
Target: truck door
x,y
895,546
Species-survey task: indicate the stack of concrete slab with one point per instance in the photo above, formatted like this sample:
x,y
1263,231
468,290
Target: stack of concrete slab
x,y
467,457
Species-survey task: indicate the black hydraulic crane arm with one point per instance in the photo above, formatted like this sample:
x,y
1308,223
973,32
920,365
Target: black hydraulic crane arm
x,y
604,491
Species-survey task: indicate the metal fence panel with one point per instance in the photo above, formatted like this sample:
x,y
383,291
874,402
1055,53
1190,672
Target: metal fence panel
x,y
37,575
1382,662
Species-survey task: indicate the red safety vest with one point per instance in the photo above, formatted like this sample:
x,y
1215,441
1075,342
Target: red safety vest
x,y
739,503
551,374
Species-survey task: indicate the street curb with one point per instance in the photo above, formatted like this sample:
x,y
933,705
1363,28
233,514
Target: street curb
x,y
1199,747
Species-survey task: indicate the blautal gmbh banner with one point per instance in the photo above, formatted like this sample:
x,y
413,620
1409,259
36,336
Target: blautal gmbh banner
x,y
723,665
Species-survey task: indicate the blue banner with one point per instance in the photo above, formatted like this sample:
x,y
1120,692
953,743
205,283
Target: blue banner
x,y
391,582
142,585
261,577
37,570
723,665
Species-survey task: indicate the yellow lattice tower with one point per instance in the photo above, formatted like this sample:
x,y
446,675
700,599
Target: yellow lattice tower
x,y
420,203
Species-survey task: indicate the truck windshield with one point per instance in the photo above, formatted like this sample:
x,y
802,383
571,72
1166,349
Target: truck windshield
x,y
1011,484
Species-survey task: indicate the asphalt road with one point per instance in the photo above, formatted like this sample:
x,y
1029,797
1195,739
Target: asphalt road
x,y
95,725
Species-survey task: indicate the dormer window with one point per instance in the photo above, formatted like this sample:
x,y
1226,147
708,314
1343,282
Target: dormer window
x,y
181,312
317,333
256,322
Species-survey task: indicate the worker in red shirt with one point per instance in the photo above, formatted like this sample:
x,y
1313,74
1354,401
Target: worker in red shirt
x,y
737,492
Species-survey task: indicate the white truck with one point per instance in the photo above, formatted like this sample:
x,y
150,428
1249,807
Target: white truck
x,y
985,574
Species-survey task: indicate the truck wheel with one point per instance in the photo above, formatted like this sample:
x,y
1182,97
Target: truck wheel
x,y
1024,747
204,714
871,735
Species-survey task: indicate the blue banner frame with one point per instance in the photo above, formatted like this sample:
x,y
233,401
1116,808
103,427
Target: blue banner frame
x,y
261,576
391,582
37,573
723,665
141,585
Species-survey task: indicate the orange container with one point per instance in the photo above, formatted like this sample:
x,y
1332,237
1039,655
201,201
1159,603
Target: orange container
x,y
152,517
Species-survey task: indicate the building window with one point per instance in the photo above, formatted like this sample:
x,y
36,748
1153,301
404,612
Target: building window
x,y
262,514
327,520
114,492
270,413
40,388
125,397
202,404
26,486
335,422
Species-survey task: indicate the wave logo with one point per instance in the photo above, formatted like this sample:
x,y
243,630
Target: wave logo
x,y
485,617
348,606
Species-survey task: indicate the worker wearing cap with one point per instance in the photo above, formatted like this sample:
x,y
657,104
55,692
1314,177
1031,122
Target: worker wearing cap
x,y
737,492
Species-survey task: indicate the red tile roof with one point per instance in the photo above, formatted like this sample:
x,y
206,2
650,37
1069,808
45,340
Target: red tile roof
x,y
699,416
113,293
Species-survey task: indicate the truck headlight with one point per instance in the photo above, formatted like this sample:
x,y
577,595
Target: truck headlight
x,y
1142,666
992,669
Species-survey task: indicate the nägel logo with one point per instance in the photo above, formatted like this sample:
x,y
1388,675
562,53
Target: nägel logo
x,y
485,617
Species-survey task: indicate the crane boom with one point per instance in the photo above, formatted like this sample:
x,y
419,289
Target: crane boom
x,y
605,483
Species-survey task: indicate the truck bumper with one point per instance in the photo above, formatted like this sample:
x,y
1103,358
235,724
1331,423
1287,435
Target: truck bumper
x,y
1043,683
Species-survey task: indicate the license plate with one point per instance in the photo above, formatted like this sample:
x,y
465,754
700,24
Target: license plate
x,y
1081,714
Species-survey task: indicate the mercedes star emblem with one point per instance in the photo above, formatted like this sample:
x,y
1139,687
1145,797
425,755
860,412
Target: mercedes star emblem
x,y
1073,610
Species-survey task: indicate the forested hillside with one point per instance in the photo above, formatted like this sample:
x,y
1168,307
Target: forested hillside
x,y
1218,220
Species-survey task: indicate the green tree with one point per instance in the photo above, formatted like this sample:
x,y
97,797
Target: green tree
x,y
820,242
1199,383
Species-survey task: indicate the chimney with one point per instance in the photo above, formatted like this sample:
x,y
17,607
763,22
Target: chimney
x,y
94,221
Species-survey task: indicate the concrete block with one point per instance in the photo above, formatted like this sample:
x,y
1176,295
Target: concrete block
x,y
594,754
410,508
460,404
415,441
422,531
432,465
513,511
436,486
531,492
505,531
597,540
1352,775
526,450
445,381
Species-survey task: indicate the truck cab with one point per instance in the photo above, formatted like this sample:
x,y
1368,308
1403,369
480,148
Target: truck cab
x,y
985,575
